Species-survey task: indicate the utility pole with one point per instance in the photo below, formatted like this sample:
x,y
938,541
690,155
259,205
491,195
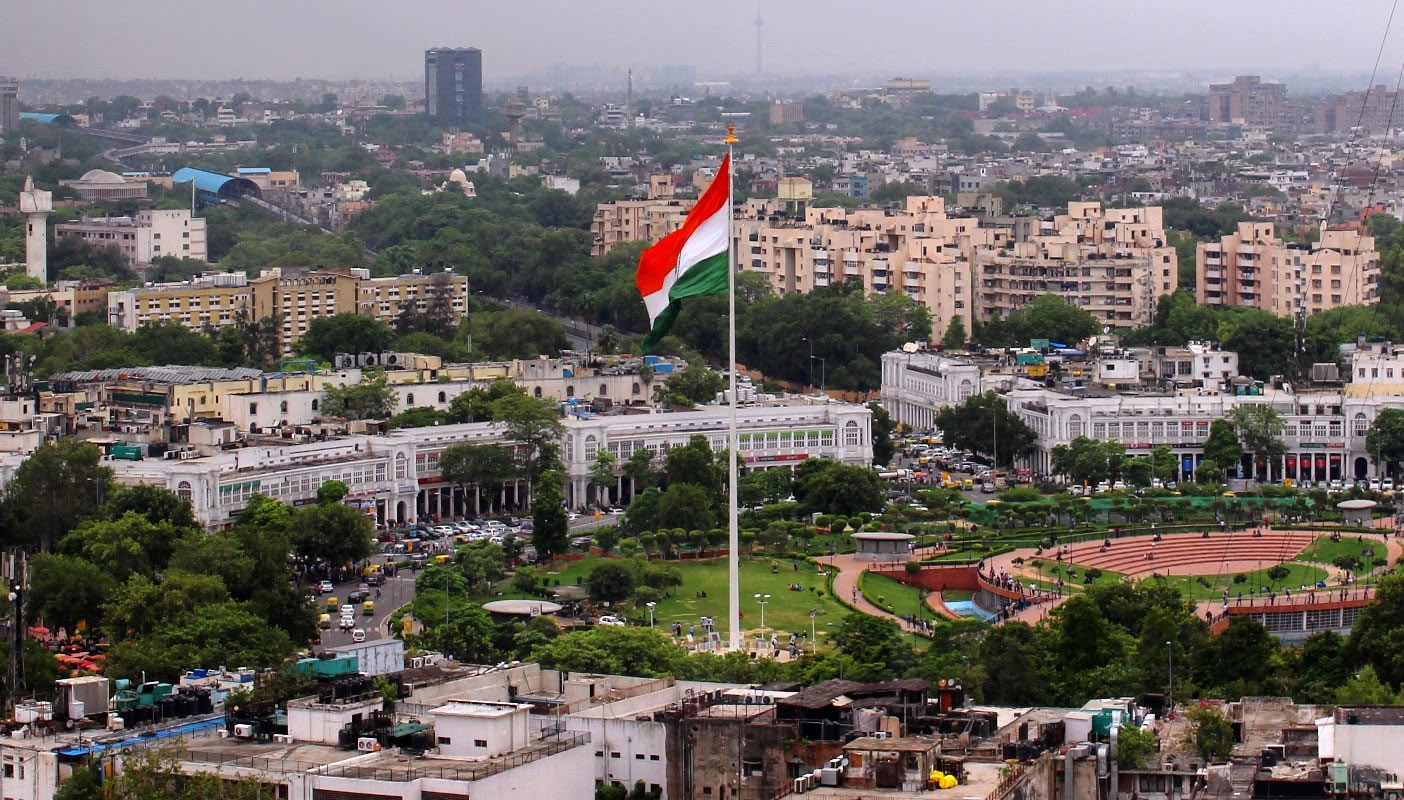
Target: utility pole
x,y
994,418
1170,656
16,572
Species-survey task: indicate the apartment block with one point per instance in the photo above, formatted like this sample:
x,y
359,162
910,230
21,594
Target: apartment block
x,y
214,301
1253,267
147,236
636,220
1249,101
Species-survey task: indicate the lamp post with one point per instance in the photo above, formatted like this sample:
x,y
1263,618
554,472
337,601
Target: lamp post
x,y
823,369
650,613
813,635
1170,658
762,599
811,360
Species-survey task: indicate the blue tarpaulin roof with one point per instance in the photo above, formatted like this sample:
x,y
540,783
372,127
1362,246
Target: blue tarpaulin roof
x,y
214,182
48,119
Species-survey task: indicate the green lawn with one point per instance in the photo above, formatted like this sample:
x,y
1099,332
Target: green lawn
x,y
1072,574
785,610
901,598
957,595
1325,551
1192,585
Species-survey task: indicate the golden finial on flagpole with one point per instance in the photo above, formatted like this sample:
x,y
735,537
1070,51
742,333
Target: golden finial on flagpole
x,y
730,135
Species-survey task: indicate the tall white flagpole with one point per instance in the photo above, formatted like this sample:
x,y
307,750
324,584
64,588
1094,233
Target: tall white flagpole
x,y
734,559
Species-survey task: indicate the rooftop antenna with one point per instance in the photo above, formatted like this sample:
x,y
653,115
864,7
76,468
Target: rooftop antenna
x,y
759,22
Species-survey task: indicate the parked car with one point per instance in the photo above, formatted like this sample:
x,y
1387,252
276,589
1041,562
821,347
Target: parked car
x,y
1387,485
1157,483
1336,485
1104,486
1376,485
612,620
1119,485
1075,490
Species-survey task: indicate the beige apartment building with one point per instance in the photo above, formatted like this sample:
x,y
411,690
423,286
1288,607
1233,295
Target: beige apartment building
x,y
215,301
1253,267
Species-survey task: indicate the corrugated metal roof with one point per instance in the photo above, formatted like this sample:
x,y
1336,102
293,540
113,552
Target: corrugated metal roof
x,y
48,119
165,374
211,182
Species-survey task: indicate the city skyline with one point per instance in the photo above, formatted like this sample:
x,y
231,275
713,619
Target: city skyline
x,y
922,38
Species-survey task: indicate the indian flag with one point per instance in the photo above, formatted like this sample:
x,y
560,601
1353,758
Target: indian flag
x,y
689,262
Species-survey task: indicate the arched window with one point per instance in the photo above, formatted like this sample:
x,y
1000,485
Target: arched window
x,y
536,392
314,405
401,466
637,388
852,436
1074,426
604,390
966,389
1361,425
443,397
183,490
409,399
283,407
570,391
592,447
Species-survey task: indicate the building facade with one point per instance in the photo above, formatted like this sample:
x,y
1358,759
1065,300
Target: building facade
x,y
149,235
453,85
9,105
1253,267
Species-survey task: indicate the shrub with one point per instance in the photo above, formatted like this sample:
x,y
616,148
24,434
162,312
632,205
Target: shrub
x,y
913,568
823,521
1093,574
856,523
1347,563
1240,578
1278,572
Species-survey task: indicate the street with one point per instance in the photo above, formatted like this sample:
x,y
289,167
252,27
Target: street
x,y
394,593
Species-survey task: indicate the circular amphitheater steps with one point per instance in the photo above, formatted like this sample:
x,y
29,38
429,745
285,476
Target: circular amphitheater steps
x,y
1128,556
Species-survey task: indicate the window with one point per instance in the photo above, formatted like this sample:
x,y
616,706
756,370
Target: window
x,y
253,408
570,391
409,399
445,740
1360,425
443,396
592,446
1074,426
636,389
604,390
314,405
613,754
183,490
852,437
283,407
480,742
638,756
537,392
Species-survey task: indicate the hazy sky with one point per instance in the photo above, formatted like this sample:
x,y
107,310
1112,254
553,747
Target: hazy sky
x,y
281,39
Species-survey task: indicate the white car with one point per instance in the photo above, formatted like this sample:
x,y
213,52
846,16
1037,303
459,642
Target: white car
x,y
612,620
1336,486
919,507
1119,485
347,623
1387,485
358,636
348,610
1157,483
571,516
324,587
1075,490
1375,485
1104,486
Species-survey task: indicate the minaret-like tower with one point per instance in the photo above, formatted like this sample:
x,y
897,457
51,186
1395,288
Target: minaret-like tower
x,y
36,205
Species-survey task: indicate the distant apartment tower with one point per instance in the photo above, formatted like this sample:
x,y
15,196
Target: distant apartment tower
x,y
1253,267
1249,101
9,105
453,85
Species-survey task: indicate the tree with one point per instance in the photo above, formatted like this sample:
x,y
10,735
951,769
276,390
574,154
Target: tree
x,y
128,545
1259,427
372,398
1209,734
550,534
482,466
639,651
1047,317
876,644
602,474
695,384
1089,460
1366,688
476,404
685,505
466,636
1134,748
335,533
66,589
215,633
1164,464
1222,448
696,464
344,333
610,583
882,429
1385,438
955,336
419,417
1377,639
833,488
481,563
518,333
535,423
983,423
156,503
332,492
57,486
640,469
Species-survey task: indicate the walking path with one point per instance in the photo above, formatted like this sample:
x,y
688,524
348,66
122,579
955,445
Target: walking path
x,y
846,586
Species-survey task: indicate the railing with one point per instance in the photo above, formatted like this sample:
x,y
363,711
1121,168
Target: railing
x,y
544,749
1020,775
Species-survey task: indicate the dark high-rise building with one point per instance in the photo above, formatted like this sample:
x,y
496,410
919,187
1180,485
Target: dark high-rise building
x,y
453,85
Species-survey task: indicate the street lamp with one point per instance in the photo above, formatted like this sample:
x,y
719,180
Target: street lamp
x,y
811,360
823,370
813,635
1170,657
650,613
762,599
